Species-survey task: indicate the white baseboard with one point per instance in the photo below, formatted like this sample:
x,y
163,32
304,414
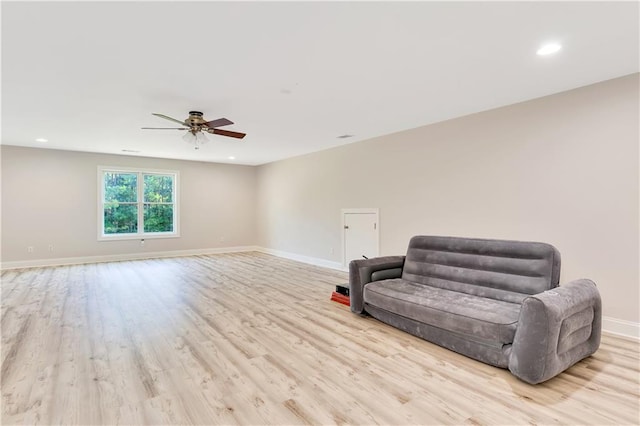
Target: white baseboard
x,y
304,259
120,257
621,327
610,325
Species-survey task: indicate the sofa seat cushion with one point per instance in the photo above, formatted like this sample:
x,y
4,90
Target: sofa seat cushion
x,y
487,319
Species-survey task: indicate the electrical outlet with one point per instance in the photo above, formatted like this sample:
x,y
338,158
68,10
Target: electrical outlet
x,y
141,243
30,249
51,247
222,239
331,250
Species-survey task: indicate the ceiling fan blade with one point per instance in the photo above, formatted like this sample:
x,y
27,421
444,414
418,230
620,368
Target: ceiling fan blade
x,y
229,133
165,128
166,117
218,123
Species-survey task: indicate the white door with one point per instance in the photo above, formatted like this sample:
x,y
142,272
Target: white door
x,y
360,235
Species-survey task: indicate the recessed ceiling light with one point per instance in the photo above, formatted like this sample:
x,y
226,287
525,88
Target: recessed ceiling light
x,y
345,136
42,140
548,49
131,151
231,157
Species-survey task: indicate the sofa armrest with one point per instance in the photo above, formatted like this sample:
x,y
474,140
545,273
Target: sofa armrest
x,y
556,329
360,272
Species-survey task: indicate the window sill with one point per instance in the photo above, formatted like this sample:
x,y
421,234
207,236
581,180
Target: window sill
x,y
124,237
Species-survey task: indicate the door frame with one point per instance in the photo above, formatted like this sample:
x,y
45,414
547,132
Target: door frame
x,y
366,210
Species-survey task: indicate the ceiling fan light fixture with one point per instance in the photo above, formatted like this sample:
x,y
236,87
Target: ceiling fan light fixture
x,y
189,137
201,138
196,138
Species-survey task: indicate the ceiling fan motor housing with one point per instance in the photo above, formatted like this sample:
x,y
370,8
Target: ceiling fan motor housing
x,y
195,118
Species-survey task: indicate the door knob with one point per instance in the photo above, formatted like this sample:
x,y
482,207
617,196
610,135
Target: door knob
x,y
346,227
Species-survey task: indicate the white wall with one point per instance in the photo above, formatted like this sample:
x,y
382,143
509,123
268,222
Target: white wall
x,y
562,169
49,197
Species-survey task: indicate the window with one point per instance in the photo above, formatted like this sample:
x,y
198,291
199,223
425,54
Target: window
x,y
137,203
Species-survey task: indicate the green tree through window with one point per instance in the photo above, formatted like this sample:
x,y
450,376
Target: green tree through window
x,y
120,203
158,203
138,203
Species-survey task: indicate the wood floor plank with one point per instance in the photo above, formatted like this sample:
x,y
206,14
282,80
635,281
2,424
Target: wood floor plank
x,y
248,338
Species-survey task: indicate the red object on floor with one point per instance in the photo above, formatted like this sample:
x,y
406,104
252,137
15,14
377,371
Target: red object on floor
x,y
340,298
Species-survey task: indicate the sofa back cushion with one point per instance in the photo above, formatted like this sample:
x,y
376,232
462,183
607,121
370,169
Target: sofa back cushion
x,y
496,269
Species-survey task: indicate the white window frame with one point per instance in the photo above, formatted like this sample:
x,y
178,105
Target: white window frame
x,y
140,202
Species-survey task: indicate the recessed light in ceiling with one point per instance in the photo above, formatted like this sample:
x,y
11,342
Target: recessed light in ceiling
x,y
42,140
548,49
345,136
132,151
231,157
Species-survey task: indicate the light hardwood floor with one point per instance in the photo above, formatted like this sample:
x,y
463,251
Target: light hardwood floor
x,y
249,338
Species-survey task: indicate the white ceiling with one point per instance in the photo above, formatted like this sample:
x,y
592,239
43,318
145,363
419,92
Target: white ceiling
x,y
293,76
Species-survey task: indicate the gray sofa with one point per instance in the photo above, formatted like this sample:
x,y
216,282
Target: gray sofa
x,y
492,300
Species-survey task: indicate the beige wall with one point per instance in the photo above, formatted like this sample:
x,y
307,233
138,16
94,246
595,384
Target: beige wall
x,y
562,169
49,197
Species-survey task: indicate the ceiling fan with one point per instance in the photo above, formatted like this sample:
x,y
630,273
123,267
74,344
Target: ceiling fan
x,y
196,126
